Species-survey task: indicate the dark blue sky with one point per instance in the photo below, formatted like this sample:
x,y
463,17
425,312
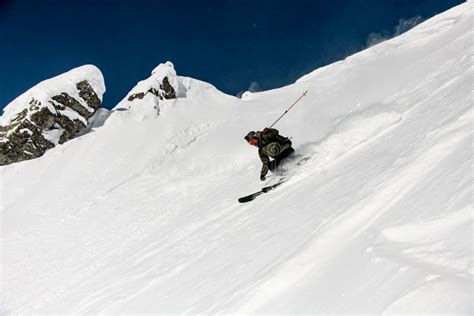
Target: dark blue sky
x,y
229,43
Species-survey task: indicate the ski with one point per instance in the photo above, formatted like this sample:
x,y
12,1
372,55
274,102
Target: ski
x,y
253,196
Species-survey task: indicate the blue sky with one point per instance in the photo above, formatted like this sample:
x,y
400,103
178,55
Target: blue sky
x,y
233,44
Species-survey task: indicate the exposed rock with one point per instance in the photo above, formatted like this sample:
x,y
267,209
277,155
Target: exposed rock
x,y
50,113
139,95
87,93
163,84
166,91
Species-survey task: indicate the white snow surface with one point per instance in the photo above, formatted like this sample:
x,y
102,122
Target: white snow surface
x,y
46,89
140,215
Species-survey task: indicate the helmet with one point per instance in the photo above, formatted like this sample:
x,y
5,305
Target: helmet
x,y
250,135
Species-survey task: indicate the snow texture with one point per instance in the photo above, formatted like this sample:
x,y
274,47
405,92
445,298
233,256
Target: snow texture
x,y
141,215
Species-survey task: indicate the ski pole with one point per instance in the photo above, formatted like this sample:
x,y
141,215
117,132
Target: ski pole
x,y
304,93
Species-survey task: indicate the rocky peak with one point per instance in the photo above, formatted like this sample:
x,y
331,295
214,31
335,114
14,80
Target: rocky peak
x,y
50,113
162,85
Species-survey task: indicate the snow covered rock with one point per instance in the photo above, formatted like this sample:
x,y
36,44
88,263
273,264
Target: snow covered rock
x,y
162,84
157,92
50,113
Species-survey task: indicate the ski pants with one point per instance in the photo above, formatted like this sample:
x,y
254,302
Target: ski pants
x,y
276,162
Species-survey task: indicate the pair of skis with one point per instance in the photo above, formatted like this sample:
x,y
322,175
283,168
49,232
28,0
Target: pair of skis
x,y
266,189
300,161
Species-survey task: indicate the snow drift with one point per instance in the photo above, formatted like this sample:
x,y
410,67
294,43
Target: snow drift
x,y
140,215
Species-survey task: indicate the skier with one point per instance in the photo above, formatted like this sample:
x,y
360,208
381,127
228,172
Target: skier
x,y
270,144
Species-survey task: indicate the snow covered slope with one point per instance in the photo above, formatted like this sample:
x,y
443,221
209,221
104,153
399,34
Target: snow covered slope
x,y
141,216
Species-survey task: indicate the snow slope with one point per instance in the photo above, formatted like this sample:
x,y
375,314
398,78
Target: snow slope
x,y
141,216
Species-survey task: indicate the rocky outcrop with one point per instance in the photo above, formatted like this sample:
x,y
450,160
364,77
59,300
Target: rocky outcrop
x,y
50,113
162,85
165,91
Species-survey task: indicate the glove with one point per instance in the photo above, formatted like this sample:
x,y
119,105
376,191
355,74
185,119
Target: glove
x,y
262,178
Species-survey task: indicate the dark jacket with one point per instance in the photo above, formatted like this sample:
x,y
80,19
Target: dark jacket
x,y
270,144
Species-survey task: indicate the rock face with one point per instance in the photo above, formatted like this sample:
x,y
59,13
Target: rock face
x,y
166,91
50,113
163,85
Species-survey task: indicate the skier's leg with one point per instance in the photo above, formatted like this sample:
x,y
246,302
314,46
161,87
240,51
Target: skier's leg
x,y
278,161
272,165
284,155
